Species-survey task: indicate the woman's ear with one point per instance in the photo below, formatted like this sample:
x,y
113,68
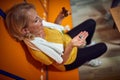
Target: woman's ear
x,y
25,31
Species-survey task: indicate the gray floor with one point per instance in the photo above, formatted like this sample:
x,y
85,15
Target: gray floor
x,y
96,9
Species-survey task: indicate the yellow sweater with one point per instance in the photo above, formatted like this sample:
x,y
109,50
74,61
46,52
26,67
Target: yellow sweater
x,y
53,35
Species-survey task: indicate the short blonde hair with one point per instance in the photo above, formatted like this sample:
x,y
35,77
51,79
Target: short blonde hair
x,y
17,19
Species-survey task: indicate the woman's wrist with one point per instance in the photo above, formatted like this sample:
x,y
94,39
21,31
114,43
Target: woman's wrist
x,y
57,21
71,44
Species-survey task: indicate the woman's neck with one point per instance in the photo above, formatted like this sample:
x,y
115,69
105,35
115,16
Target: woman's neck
x,y
40,34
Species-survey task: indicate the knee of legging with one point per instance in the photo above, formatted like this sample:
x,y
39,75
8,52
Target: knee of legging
x,y
102,46
92,22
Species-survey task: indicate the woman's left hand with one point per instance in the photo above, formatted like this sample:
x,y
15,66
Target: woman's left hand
x,y
80,39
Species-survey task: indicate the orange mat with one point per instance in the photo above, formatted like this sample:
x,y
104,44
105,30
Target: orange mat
x,y
16,60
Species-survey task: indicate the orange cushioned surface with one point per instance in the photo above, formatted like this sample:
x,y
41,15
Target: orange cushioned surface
x,y
14,57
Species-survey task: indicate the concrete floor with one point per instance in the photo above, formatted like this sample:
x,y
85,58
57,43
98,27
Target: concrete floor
x,y
96,9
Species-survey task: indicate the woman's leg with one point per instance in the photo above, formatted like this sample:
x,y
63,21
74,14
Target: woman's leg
x,y
115,3
88,25
87,54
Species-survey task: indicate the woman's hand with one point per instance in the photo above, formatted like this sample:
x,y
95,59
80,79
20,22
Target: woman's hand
x,y
80,39
63,13
77,41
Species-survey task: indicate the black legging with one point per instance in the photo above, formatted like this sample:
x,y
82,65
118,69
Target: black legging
x,y
87,53
88,25
115,3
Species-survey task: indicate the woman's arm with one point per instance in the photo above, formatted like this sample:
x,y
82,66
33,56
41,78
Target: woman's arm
x,y
64,13
77,41
67,51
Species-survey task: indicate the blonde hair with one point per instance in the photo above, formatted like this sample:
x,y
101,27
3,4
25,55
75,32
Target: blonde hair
x,y
17,19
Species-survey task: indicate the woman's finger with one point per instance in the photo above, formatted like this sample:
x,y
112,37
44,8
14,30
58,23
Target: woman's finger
x,y
83,34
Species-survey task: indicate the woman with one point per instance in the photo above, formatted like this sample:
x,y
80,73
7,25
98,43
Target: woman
x,y
46,41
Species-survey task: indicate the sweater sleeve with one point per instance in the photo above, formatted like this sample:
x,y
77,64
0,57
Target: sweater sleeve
x,y
41,57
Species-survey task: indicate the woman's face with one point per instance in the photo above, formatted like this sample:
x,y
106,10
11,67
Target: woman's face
x,y
35,23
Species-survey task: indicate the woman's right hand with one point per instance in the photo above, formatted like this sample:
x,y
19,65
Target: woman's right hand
x,y
80,39
62,14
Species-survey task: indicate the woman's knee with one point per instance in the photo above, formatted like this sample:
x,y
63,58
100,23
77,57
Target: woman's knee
x,y
91,25
102,47
91,22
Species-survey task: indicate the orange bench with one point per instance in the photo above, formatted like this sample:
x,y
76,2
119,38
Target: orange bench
x,y
15,60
